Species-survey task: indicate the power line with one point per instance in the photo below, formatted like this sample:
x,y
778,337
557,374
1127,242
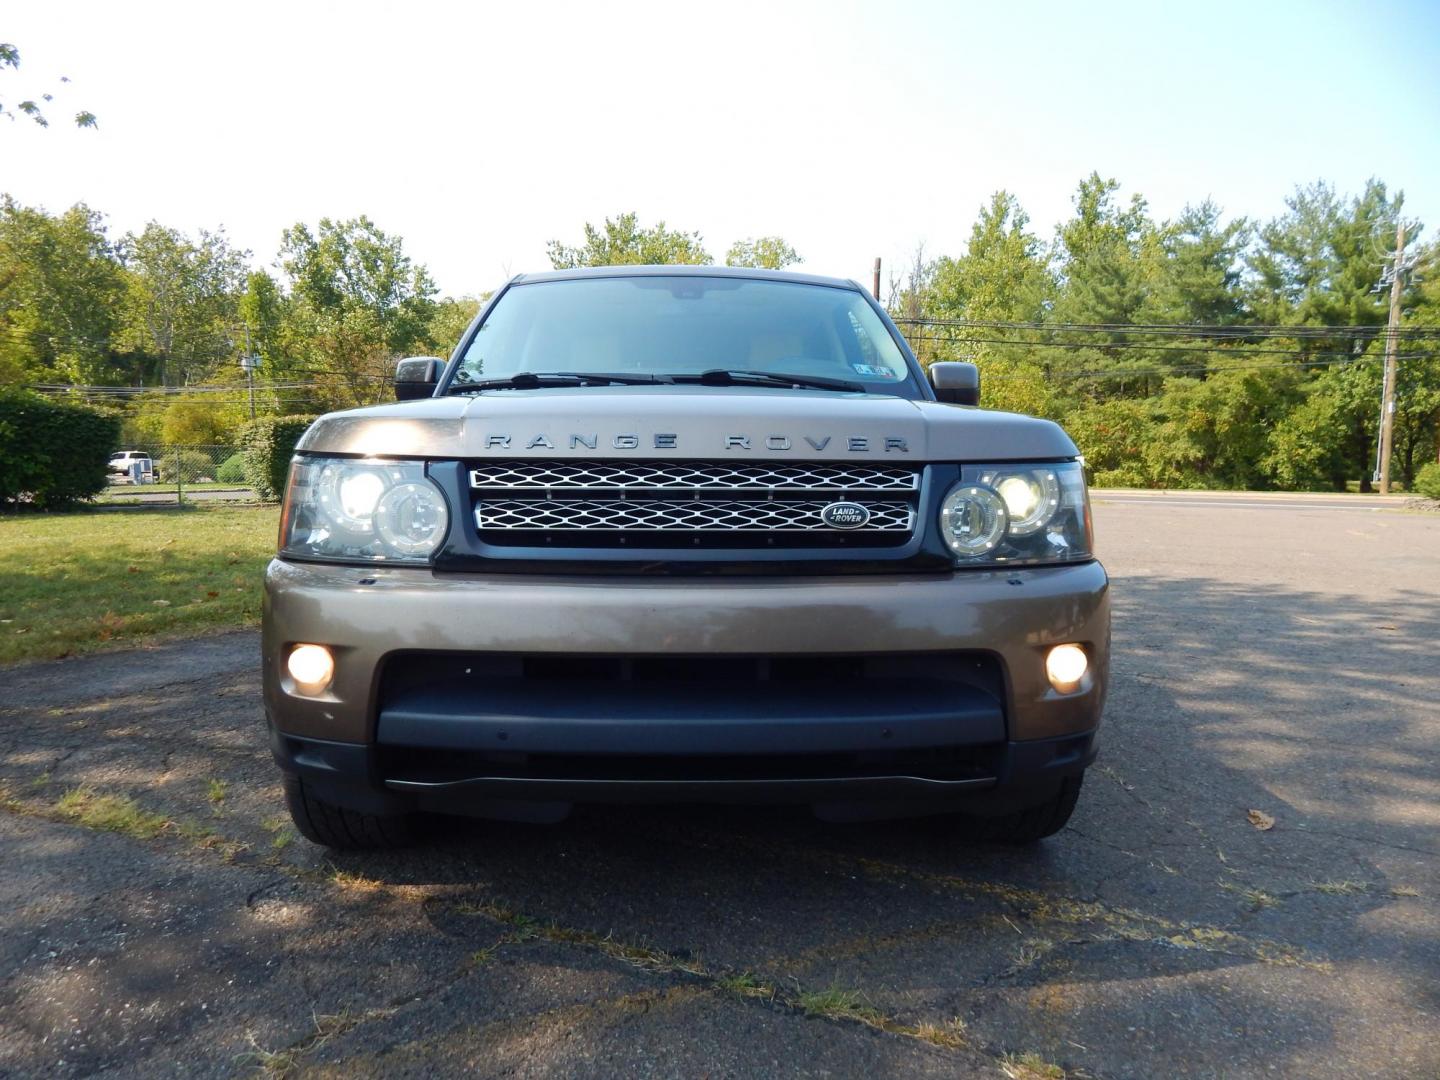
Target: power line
x,y
1126,373
1179,329
1137,346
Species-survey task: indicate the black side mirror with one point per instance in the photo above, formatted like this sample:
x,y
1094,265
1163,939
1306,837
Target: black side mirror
x,y
416,376
956,382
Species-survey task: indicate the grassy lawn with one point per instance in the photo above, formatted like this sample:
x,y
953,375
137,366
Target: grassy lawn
x,y
76,582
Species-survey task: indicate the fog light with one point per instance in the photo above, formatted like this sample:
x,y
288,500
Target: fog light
x,y
1065,665
311,666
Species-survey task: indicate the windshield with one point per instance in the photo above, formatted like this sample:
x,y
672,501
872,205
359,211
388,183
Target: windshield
x,y
683,325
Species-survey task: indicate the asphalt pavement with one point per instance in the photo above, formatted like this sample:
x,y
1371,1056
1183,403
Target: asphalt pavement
x,y
159,917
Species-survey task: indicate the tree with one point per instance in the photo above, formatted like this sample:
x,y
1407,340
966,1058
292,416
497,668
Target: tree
x,y
1197,269
1098,255
356,303
622,242
10,58
1002,275
60,291
182,299
768,252
452,318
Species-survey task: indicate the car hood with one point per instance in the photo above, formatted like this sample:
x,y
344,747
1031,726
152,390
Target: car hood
x,y
743,423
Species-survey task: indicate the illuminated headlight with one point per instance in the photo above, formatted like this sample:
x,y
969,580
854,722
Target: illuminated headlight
x,y
362,510
1017,514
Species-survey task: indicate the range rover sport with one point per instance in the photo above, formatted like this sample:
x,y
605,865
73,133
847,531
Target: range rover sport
x,y
678,534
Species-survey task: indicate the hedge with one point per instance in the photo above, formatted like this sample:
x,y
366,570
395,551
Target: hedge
x,y
52,452
1427,480
266,446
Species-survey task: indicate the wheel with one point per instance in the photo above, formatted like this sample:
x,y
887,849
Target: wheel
x,y
1034,823
337,827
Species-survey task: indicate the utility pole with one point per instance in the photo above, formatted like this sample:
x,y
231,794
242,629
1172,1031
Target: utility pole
x,y
875,288
1392,334
248,362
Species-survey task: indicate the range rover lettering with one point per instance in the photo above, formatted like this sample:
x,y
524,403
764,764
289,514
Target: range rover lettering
x,y
683,534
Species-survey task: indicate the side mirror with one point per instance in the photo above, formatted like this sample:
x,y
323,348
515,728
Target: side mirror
x,y
956,382
416,376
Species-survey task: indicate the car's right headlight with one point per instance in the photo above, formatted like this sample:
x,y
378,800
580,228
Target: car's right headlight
x,y
362,510
1018,514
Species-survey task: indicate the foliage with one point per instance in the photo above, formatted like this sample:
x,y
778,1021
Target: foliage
x,y
266,446
10,58
356,303
623,242
60,290
1093,333
52,452
232,469
451,319
1427,480
185,465
768,253
181,303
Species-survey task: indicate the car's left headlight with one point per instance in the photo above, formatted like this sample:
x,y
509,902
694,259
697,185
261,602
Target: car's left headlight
x,y
1018,514
362,510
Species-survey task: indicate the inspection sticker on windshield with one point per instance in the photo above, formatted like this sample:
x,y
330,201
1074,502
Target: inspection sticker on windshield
x,y
874,371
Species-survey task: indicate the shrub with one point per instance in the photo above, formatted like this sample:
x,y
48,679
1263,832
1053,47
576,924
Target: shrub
x,y
1127,476
191,466
232,469
266,446
1427,480
52,452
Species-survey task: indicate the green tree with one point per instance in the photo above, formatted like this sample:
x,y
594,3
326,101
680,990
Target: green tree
x,y
767,252
182,302
452,318
1001,278
356,303
1100,256
60,291
623,242
1197,269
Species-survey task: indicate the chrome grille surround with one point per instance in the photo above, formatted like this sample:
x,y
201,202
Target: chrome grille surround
x,y
654,515
692,475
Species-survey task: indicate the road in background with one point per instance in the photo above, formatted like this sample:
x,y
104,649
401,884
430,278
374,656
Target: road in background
x,y
1271,657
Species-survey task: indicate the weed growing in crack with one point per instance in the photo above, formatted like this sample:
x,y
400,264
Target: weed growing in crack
x,y
835,1003
1030,1066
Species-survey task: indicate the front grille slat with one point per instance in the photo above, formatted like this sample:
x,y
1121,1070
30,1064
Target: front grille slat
x,y
694,503
707,516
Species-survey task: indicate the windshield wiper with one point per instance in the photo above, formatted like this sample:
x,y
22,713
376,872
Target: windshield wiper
x,y
743,377
535,380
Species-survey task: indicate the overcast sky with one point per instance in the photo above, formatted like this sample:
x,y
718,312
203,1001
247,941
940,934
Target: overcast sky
x,y
480,131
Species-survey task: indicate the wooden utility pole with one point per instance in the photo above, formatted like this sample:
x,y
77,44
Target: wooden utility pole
x,y
1392,334
875,288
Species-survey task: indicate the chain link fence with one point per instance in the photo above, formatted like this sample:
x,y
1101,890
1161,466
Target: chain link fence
x,y
176,473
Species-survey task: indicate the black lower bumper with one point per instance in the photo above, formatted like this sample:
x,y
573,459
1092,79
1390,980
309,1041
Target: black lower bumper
x,y
990,779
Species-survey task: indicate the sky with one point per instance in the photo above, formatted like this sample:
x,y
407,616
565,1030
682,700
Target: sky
x,y
479,131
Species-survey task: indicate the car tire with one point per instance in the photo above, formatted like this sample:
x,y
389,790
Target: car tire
x,y
341,828
1034,823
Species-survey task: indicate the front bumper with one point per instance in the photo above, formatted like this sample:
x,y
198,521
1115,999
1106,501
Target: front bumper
x,y
1015,733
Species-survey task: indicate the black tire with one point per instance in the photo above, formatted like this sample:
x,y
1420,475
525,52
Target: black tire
x,y
336,827
1034,823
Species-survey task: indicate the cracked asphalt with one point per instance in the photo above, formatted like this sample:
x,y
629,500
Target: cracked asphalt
x,y
1278,657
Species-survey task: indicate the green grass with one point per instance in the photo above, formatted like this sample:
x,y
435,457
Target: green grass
x,y
76,582
112,813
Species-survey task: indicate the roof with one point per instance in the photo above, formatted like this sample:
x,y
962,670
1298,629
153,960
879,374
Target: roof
x,y
687,271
